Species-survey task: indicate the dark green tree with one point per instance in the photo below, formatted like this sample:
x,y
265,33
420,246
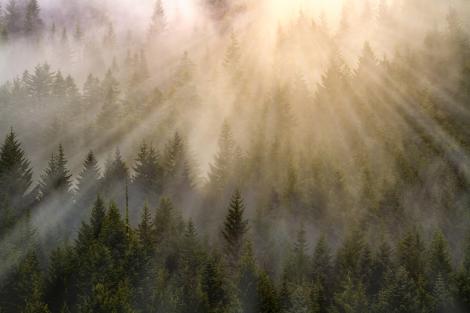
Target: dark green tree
x,y
15,176
88,183
235,228
147,182
56,179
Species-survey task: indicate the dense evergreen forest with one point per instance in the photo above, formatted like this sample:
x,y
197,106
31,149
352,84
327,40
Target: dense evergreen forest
x,y
235,156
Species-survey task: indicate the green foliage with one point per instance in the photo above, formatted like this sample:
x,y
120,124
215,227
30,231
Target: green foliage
x,y
56,179
15,176
235,228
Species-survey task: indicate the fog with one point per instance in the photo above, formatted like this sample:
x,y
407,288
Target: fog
x,y
335,112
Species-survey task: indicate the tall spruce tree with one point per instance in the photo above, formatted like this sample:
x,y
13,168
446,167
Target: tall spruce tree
x,y
33,22
56,179
15,176
147,182
115,179
88,183
221,169
235,228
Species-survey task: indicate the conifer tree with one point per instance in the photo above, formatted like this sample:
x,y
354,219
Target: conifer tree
x,y
221,169
147,182
23,290
15,175
349,255
247,281
145,231
56,178
297,269
398,295
39,84
13,18
115,179
267,298
58,85
351,297
214,286
88,182
177,173
232,54
321,275
235,228
33,22
410,253
439,267
158,24
463,278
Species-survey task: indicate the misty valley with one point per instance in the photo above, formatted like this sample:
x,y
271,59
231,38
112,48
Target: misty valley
x,y
222,156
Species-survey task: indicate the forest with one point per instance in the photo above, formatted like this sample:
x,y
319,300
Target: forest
x,y
219,156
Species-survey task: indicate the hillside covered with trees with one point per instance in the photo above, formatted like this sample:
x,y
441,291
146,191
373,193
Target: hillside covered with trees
x,y
235,156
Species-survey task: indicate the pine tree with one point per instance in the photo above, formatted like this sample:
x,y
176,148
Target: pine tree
x,y
39,84
367,64
58,85
91,93
166,223
13,18
23,290
297,269
56,178
115,179
109,39
145,231
214,286
351,298
158,24
267,298
349,255
114,234
176,168
382,266
33,22
221,169
147,182
463,278
247,281
78,35
60,285
399,294
184,72
410,253
322,272
232,54
235,228
439,260
88,182
190,273
15,175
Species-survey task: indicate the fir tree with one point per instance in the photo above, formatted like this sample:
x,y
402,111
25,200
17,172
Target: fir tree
x,y
158,24
235,228
13,18
33,22
56,177
214,287
145,231
88,182
15,175
267,298
148,176
115,179
221,169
